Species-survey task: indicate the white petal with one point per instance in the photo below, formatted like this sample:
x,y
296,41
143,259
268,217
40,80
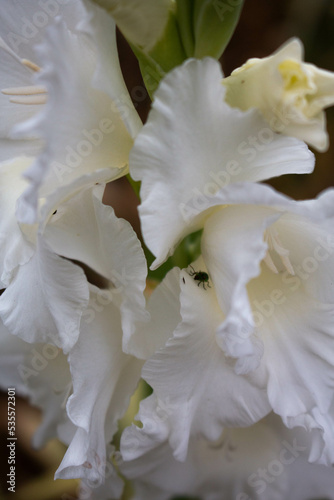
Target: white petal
x,y
320,427
15,249
297,335
164,308
62,195
317,479
142,22
194,144
293,49
310,481
104,378
50,384
82,127
293,314
39,372
45,300
196,387
12,354
136,441
23,24
309,238
229,232
74,232
324,81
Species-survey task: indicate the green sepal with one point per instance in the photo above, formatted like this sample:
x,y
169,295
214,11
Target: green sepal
x,y
135,185
214,23
184,16
185,253
165,55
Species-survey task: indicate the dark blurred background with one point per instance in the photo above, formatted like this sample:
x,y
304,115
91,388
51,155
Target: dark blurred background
x,y
264,25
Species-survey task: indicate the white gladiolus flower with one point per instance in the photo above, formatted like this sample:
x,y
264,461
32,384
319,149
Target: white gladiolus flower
x,y
198,387
277,296
87,125
237,348
41,373
100,123
290,94
45,301
73,222
266,322
88,421
45,295
193,145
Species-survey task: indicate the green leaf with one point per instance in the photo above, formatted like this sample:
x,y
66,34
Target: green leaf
x,y
214,24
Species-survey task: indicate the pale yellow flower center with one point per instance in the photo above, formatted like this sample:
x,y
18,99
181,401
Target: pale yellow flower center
x,y
277,257
294,78
226,444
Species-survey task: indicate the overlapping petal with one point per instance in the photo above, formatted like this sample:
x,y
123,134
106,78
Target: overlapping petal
x,y
86,230
45,300
195,385
164,308
256,463
14,247
70,69
92,136
101,391
279,298
193,145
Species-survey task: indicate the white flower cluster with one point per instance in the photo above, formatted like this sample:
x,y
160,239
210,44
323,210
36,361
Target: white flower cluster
x,y
238,348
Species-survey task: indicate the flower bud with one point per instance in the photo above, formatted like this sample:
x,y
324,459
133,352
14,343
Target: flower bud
x,y
290,94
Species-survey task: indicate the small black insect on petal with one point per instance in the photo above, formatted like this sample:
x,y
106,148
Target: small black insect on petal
x,y
201,276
